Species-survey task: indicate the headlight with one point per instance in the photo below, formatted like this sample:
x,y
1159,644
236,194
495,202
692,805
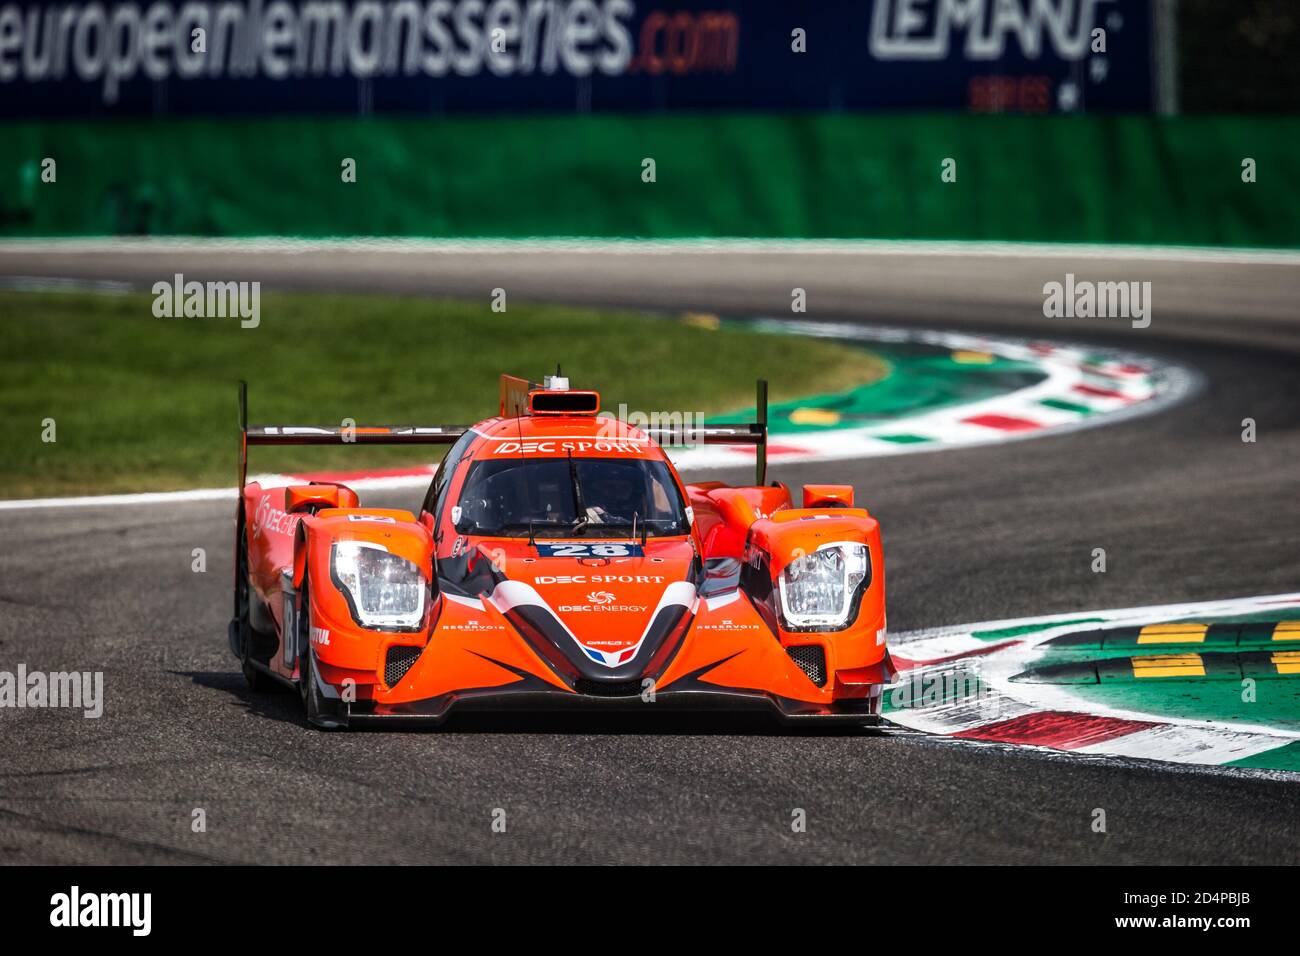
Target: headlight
x,y
819,590
384,590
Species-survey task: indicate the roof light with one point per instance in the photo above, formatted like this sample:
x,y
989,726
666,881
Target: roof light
x,y
556,402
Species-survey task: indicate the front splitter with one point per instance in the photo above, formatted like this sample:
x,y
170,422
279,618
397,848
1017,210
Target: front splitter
x,y
436,711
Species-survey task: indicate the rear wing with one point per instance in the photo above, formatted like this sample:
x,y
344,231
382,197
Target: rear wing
x,y
331,435
515,396
745,433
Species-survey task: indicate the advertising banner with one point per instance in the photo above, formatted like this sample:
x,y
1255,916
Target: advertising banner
x,y
183,57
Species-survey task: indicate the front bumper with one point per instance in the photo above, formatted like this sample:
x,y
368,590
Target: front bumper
x,y
436,711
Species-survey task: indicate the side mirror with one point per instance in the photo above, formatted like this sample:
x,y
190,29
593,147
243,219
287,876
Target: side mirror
x,y
311,498
828,496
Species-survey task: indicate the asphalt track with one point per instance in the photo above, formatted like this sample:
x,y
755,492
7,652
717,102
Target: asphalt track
x,y
1185,510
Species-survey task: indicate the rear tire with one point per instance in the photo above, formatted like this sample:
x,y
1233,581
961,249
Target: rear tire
x,y
241,628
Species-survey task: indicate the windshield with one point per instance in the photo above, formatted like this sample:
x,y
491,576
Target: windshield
x,y
570,496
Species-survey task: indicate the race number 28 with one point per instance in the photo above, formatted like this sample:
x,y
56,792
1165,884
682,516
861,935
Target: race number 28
x,y
589,550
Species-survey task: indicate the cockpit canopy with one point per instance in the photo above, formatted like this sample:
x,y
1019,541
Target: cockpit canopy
x,y
590,497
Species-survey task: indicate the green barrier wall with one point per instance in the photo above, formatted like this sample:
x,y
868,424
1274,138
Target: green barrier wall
x,y
1079,179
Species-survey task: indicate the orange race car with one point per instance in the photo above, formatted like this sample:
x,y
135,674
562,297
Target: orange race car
x,y
558,561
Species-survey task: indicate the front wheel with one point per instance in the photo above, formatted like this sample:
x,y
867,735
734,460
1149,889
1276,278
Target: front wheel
x,y
321,711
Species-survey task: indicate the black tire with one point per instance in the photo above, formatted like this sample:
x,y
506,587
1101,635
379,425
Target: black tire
x,y
307,688
242,628
321,713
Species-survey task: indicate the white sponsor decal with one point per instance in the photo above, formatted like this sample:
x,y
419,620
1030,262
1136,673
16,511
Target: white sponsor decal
x,y
472,626
320,635
577,446
268,517
599,579
315,38
614,608
727,625
925,29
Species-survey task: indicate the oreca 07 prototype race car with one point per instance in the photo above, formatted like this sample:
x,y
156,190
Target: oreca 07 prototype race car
x,y
558,561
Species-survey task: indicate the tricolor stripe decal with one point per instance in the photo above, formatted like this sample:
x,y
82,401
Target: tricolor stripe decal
x,y
1078,388
1062,731
1023,682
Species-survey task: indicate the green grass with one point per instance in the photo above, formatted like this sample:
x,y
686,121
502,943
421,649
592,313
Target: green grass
x,y
142,403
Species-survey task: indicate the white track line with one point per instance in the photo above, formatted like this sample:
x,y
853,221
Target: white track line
x,y
387,483
738,246
1185,744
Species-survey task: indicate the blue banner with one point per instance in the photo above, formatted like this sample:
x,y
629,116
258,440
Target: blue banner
x,y
180,57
